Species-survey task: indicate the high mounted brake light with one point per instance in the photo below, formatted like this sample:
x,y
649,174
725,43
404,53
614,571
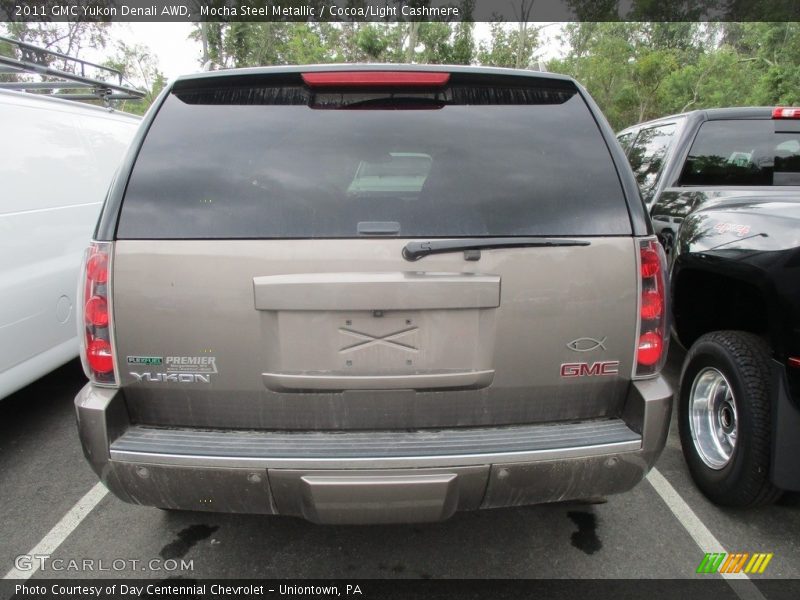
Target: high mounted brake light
x,y
376,79
785,112
94,329
653,340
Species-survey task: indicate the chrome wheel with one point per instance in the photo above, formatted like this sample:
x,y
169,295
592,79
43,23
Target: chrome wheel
x,y
712,418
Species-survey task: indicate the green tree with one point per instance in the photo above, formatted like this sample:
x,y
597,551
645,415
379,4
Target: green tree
x,y
627,66
252,43
243,44
600,57
639,71
379,42
140,68
70,38
717,78
445,43
773,50
509,45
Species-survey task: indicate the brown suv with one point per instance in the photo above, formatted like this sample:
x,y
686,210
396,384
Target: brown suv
x,y
373,294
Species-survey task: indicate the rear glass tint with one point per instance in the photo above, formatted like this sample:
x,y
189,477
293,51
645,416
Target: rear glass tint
x,y
754,152
263,161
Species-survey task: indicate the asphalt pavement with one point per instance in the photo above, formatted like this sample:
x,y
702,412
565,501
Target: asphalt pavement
x,y
658,530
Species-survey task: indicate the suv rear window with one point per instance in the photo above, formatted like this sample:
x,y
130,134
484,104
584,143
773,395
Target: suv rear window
x,y
267,161
739,152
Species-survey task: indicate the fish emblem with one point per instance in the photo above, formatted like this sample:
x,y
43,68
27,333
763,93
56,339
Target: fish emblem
x,y
587,344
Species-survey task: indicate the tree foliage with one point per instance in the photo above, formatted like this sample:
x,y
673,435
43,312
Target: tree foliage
x,y
639,71
635,70
139,66
71,38
281,43
512,47
136,62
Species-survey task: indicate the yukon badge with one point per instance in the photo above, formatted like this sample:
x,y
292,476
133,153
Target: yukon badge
x,y
587,344
172,377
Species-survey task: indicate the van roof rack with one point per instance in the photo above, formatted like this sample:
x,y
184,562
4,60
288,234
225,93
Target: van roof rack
x,y
71,86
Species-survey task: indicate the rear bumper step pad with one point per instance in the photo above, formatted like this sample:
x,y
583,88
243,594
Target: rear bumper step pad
x,y
190,446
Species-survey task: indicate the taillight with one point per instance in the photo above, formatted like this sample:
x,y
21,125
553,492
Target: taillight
x,y
785,112
651,262
99,357
96,311
95,327
653,341
652,305
375,79
650,348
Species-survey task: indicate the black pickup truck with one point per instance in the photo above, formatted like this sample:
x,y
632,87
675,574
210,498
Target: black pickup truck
x,y
723,190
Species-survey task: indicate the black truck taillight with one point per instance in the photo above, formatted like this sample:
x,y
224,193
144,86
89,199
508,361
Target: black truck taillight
x,y
785,112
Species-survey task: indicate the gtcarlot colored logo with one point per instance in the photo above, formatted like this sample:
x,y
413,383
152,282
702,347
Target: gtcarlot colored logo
x,y
742,562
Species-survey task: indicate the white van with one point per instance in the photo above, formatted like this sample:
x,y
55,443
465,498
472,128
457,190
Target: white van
x,y
57,159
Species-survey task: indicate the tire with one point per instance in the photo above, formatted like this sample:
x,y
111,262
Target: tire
x,y
730,369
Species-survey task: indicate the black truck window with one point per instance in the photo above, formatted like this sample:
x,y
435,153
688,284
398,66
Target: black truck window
x,y
647,155
743,152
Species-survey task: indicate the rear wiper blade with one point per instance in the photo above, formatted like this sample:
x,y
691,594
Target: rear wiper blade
x,y
416,250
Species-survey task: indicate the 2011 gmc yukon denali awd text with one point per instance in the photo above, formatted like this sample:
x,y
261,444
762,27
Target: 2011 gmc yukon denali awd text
x,y
373,294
